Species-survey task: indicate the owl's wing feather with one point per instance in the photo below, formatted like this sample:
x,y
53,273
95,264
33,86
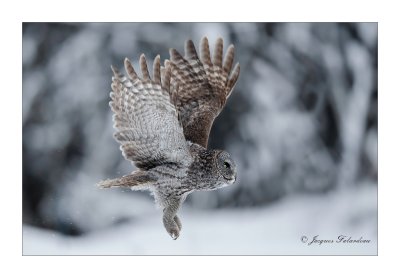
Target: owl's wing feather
x,y
200,87
145,120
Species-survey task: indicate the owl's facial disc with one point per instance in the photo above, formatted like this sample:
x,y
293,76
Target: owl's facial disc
x,y
226,167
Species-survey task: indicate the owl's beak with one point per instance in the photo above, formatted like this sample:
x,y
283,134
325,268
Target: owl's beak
x,y
232,181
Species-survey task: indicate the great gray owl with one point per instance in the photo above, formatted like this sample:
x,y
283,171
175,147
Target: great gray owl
x,y
163,125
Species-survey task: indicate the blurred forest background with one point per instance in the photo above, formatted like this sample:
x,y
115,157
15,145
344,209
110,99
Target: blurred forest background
x,y
301,125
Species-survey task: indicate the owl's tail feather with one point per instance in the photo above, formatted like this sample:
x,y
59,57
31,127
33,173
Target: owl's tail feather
x,y
136,181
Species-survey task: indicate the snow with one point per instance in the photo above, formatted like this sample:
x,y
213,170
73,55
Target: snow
x,y
270,230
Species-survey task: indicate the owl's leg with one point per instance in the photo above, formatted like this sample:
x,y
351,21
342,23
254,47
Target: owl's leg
x,y
169,218
178,222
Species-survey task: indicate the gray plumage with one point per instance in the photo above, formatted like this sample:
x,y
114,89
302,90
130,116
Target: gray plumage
x,y
163,124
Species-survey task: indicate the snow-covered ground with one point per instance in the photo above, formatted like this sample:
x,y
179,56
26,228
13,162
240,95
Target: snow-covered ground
x,y
272,230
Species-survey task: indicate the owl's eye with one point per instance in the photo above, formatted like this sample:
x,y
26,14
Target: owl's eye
x,y
227,165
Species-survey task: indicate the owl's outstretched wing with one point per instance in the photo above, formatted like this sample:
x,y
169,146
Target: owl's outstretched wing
x,y
200,88
145,120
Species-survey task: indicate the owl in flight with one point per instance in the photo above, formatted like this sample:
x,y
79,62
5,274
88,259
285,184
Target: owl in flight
x,y
163,124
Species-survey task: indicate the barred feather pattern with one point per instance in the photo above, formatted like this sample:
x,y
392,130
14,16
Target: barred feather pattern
x,y
200,87
163,124
145,120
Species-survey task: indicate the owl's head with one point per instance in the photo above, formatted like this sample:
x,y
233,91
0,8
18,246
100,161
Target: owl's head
x,y
226,168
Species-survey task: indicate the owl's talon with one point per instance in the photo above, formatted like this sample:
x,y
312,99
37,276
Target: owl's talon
x,y
174,233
